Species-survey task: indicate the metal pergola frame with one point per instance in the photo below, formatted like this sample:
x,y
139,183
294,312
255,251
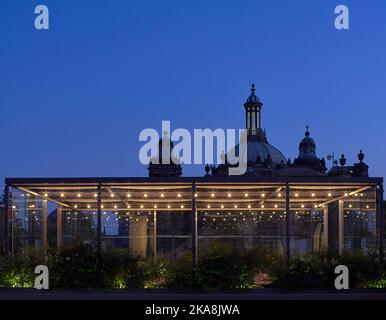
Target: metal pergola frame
x,y
192,183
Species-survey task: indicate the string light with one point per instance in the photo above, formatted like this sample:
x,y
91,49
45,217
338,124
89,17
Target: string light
x,y
179,195
62,195
79,195
229,195
329,194
246,195
162,195
145,195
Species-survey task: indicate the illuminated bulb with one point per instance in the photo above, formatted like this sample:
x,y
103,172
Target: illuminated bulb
x,y
79,195
246,195
367,207
62,195
356,194
129,195
75,206
195,195
162,195
222,206
155,207
345,194
208,206
315,206
141,206
235,205
95,195
275,205
279,195
145,195
262,206
313,194
350,206
329,194
45,195
212,195
102,206
296,194
128,207
249,206
168,206
88,207
302,205
361,194
229,195
263,195
115,207
182,207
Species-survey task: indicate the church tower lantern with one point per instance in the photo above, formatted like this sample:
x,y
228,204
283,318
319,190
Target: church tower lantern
x,y
253,107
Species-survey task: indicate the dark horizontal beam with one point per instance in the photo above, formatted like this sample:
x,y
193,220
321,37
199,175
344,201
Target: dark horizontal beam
x,y
94,181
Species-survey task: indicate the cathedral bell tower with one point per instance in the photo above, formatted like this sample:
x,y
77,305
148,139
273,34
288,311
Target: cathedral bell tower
x,y
253,107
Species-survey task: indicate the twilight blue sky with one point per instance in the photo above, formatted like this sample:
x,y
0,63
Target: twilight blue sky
x,y
74,99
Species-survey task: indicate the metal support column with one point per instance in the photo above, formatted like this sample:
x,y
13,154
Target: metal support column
x,y
155,234
194,226
325,228
6,220
341,226
99,218
44,231
381,222
288,222
59,227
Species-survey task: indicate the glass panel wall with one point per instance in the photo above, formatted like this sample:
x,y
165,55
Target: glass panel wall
x,y
242,217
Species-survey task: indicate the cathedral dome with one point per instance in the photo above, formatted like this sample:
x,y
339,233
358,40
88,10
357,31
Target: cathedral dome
x,y
259,151
307,147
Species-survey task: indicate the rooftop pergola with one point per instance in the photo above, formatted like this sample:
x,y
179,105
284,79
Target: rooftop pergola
x,y
211,195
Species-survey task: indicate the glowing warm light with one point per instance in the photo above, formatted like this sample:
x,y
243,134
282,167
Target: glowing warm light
x,y
195,195
78,195
46,195
229,195
262,206
145,195
62,195
179,195
88,207
102,206
168,206
182,207
275,205
302,205
315,206
129,195
222,206
235,205
249,206
312,194
128,207
246,195
155,207
296,194
345,194
329,194
208,206
95,195
350,206
75,206
141,206
263,195
115,207
212,195
162,195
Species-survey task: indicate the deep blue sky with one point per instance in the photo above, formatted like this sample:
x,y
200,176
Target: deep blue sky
x,y
73,99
